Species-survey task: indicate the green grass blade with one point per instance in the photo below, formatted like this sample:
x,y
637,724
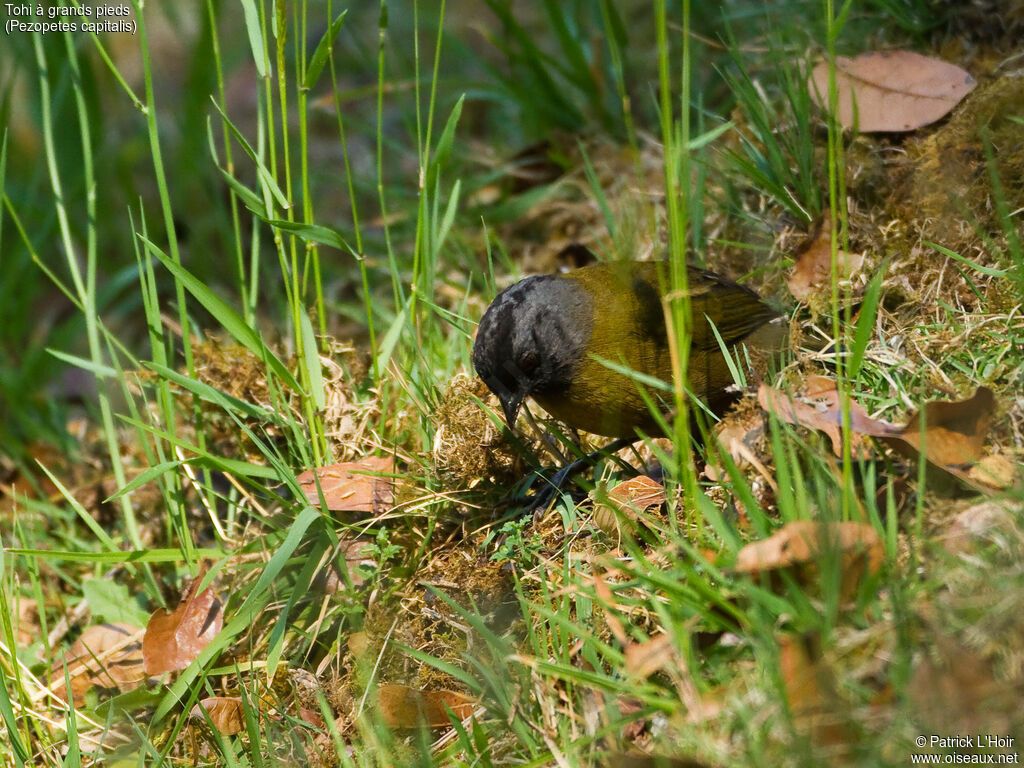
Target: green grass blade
x,y
323,49
231,320
866,321
144,477
255,32
311,362
314,233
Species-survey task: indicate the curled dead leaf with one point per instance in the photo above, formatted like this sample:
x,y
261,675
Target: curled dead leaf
x,y
404,707
891,90
106,656
952,434
809,686
824,414
802,544
173,640
627,500
638,493
353,486
995,471
225,712
646,658
812,272
954,431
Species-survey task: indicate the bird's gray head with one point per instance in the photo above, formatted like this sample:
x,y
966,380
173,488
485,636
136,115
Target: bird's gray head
x,y
531,338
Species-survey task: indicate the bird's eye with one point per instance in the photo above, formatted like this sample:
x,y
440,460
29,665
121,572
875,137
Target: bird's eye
x,y
527,361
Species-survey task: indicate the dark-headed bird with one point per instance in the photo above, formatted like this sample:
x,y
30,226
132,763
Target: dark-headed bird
x,y
546,336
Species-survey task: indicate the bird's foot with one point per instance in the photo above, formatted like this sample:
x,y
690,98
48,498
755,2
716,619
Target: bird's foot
x,y
543,498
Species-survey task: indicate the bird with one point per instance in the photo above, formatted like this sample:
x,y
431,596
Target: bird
x,y
550,337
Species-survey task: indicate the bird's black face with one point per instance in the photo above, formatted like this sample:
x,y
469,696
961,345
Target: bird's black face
x,y
526,343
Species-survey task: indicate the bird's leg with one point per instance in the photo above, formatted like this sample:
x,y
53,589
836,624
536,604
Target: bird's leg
x,y
544,496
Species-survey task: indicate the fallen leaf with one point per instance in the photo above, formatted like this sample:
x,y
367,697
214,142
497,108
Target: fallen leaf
x,y
627,500
891,90
225,713
996,471
644,659
824,415
628,707
353,486
107,656
404,707
355,553
637,494
738,437
812,272
819,386
173,640
312,717
802,544
954,431
809,686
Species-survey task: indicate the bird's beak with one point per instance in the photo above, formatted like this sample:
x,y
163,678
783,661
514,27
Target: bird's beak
x,y
510,404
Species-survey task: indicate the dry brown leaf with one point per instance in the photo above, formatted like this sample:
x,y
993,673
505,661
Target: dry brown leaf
x,y
173,640
404,707
629,707
802,544
824,415
955,431
107,656
225,713
812,271
353,486
644,659
891,90
810,691
819,386
638,494
628,498
312,717
803,541
355,553
995,471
